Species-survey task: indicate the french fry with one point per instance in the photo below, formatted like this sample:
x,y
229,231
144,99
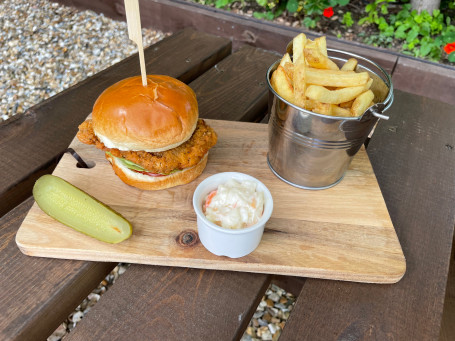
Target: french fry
x,y
298,44
311,80
286,59
335,78
299,83
321,44
310,44
346,105
317,60
310,104
321,94
282,84
323,108
343,112
350,65
361,103
289,69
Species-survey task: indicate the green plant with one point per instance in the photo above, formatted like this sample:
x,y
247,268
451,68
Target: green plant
x,y
315,9
347,19
422,34
309,22
374,9
311,10
273,9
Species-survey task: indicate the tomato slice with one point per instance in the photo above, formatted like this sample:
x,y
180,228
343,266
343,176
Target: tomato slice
x,y
147,173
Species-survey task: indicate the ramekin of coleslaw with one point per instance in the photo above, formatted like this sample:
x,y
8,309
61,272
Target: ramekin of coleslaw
x,y
232,210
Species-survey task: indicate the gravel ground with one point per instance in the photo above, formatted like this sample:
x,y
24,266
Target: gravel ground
x,y
45,48
267,322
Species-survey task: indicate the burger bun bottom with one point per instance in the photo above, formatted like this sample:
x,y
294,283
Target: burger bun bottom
x,y
152,183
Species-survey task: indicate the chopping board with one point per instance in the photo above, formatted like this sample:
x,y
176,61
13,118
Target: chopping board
x,y
341,233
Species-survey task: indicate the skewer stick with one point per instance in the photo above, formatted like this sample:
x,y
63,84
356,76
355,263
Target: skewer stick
x,y
133,19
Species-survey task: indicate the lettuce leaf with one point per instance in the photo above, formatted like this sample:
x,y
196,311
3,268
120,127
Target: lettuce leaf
x,y
131,165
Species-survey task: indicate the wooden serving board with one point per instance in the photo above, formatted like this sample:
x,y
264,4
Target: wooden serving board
x,y
342,233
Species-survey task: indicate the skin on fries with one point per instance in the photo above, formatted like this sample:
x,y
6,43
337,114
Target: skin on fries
x,y
323,108
338,111
321,44
282,84
335,78
298,44
362,103
350,65
346,105
286,59
299,87
308,78
317,60
321,94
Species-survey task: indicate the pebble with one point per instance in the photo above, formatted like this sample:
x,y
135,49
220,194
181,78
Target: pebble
x,y
267,317
85,306
258,314
275,297
46,47
267,335
59,333
273,328
270,317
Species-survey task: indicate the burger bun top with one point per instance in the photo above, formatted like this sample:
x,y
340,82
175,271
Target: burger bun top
x,y
152,118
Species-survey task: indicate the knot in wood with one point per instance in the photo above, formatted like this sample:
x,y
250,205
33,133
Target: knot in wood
x,y
187,238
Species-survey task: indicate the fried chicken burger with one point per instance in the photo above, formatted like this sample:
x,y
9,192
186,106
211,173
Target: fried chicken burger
x,y
151,134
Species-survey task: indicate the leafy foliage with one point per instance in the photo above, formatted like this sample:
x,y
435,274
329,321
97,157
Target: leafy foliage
x,y
347,19
423,34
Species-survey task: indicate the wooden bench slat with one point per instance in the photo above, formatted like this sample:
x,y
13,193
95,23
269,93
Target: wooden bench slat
x,y
413,157
236,89
30,142
38,294
179,304
161,303
425,79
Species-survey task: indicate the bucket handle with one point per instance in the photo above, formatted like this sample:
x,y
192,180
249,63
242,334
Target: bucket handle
x,y
378,109
378,115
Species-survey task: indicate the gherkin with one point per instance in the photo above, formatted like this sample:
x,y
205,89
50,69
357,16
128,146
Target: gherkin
x,y
80,211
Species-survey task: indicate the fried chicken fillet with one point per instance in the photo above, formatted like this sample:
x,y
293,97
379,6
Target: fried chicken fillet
x,y
184,156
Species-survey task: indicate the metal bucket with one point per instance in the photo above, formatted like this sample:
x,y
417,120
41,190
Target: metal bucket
x,y
313,151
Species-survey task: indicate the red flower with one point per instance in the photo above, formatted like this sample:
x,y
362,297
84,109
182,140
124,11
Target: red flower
x,y
328,12
449,48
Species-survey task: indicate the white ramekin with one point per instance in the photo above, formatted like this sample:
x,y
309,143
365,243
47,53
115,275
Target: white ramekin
x,y
229,242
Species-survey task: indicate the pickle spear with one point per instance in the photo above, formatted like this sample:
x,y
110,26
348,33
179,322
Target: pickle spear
x,y
80,211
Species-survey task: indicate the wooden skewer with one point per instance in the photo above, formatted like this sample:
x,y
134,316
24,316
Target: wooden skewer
x,y
133,19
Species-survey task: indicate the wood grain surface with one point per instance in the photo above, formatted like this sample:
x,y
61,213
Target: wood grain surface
x,y
197,295
174,304
30,142
413,157
341,233
37,294
236,88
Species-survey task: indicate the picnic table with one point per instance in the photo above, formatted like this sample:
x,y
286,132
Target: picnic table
x,y
412,155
